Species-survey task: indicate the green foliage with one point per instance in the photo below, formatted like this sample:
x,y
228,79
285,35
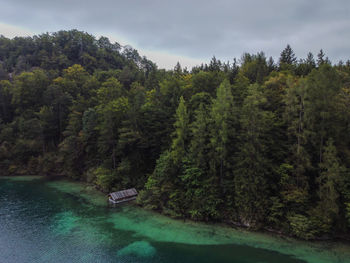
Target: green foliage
x,y
111,89
28,87
158,186
348,213
200,143
254,67
220,114
104,178
301,226
323,85
223,118
329,181
276,214
287,59
253,166
181,132
200,199
5,100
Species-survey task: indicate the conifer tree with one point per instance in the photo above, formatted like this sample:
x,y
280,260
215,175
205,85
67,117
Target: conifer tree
x,y
287,58
201,186
222,129
322,89
200,142
310,60
330,179
253,166
320,58
181,134
295,184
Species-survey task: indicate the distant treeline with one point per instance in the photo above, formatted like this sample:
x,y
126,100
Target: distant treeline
x,y
252,142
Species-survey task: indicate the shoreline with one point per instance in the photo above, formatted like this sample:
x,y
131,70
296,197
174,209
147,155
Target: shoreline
x,y
231,225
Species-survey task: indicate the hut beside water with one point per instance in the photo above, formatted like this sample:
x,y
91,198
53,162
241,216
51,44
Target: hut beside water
x,y
122,196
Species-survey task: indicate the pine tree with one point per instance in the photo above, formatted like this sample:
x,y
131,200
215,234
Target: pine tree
x,y
181,134
253,166
5,101
271,65
159,184
323,86
331,171
200,142
320,58
222,129
287,58
294,182
178,69
72,148
310,61
305,66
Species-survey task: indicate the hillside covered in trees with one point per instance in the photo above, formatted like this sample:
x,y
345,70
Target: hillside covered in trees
x,y
254,142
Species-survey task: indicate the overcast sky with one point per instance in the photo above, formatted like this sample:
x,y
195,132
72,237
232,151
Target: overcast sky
x,y
192,31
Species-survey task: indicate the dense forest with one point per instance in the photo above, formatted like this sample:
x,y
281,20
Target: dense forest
x,y
251,142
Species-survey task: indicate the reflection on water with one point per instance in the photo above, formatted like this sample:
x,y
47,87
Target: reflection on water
x,y
63,221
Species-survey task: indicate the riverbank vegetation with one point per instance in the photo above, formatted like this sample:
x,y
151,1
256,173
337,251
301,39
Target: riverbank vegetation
x,y
251,142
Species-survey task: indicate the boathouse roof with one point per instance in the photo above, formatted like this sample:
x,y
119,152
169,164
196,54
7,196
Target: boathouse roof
x,y
123,194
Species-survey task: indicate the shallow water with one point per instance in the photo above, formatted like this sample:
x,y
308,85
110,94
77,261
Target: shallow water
x,y
63,221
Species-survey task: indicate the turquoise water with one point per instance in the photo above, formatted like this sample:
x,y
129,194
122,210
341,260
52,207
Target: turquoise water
x,y
63,221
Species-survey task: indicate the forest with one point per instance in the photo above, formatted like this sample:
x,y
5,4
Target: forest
x,y
251,142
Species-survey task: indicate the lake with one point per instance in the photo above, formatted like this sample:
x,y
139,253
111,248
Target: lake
x,y
44,220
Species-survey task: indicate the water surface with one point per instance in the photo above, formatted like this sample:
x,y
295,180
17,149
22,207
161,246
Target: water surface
x,y
62,221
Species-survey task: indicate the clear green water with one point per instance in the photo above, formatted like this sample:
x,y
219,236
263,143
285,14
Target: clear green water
x,y
63,221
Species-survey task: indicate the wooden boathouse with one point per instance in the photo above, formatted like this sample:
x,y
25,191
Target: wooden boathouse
x,y
122,196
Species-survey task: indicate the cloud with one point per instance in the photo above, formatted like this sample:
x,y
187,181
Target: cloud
x,y
166,60
197,29
13,31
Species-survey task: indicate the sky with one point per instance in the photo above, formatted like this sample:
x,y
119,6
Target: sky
x,y
192,31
